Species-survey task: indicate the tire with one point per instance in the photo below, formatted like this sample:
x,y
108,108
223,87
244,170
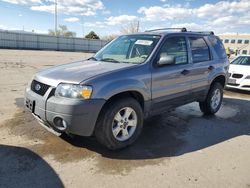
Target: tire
x,y
108,125
209,107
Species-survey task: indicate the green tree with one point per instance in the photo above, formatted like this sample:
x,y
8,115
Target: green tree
x,y
62,31
92,35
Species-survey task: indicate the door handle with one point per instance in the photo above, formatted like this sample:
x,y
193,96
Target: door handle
x,y
185,72
210,68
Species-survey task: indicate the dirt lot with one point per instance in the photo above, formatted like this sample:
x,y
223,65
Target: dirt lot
x,y
179,149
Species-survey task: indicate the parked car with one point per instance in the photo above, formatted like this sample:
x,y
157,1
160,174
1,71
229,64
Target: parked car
x,y
239,72
134,77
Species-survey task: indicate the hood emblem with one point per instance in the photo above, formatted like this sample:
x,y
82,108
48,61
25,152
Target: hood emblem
x,y
37,87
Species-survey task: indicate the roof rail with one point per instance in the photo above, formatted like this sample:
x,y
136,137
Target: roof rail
x,y
203,32
183,29
165,29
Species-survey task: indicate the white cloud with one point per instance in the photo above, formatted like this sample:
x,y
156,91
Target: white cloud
x,y
191,26
221,16
223,8
68,7
95,25
28,2
122,19
112,21
157,13
72,7
219,9
72,19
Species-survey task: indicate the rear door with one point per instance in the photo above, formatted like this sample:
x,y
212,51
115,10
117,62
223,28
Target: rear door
x,y
171,84
202,65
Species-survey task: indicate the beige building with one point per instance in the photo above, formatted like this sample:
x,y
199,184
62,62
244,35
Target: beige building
x,y
238,43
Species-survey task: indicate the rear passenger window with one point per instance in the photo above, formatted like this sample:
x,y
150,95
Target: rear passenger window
x,y
177,47
200,50
217,46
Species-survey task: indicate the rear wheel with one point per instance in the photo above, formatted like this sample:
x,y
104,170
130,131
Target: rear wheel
x,y
214,99
119,124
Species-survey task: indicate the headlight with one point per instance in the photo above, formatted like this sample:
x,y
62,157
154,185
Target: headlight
x,y
73,91
248,77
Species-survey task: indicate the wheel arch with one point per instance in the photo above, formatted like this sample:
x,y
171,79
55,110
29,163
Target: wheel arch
x,y
220,79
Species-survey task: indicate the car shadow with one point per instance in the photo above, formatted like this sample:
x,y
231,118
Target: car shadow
x,y
20,167
181,131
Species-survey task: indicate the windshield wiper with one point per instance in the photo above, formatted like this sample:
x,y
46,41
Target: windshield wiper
x,y
110,60
92,58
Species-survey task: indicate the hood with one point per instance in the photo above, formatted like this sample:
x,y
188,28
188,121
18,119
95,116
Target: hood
x,y
77,72
240,69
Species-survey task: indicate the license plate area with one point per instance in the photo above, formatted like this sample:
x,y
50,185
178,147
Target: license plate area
x,y
232,81
30,104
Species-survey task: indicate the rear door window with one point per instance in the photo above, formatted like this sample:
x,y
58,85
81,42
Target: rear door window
x,y
199,49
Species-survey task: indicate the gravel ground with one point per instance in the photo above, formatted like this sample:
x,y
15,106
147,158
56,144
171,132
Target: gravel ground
x,y
178,149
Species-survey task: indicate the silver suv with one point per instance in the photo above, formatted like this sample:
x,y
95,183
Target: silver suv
x,y
133,77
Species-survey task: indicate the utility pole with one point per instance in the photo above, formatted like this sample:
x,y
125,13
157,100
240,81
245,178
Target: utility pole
x,y
56,17
83,27
138,26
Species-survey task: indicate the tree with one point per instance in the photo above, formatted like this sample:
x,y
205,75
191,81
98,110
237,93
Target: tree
x,y
109,37
132,27
62,31
92,35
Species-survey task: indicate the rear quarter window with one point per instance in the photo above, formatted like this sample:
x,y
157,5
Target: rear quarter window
x,y
217,46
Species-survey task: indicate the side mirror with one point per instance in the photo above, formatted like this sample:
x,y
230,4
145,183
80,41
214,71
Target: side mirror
x,y
166,59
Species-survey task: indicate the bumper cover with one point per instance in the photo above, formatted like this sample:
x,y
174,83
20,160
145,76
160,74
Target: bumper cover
x,y
80,115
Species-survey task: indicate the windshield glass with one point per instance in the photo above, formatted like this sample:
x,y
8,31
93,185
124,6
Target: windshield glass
x,y
241,61
128,49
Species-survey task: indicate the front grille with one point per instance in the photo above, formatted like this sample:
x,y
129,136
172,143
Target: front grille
x,y
237,75
39,87
246,86
233,84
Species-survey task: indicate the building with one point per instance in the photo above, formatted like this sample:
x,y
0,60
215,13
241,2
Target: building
x,y
239,44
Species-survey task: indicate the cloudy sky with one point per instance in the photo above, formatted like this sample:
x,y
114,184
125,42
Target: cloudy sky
x,y
108,16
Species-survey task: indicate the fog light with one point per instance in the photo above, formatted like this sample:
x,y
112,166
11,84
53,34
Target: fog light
x,y
60,124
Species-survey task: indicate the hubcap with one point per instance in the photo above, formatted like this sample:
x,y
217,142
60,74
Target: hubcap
x,y
124,124
216,99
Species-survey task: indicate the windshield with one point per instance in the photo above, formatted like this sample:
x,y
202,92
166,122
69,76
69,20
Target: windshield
x,y
241,61
128,49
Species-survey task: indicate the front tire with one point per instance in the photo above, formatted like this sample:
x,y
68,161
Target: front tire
x,y
213,100
120,123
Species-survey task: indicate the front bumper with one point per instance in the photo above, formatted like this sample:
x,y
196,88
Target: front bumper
x,y
238,87
242,83
79,115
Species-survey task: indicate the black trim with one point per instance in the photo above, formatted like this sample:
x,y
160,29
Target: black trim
x,y
43,88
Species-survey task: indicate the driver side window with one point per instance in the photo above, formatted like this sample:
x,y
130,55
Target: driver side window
x,y
177,47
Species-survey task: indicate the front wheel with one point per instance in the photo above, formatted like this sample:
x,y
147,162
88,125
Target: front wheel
x,y
119,124
213,101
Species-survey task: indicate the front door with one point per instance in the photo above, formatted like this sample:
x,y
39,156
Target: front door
x,y
171,84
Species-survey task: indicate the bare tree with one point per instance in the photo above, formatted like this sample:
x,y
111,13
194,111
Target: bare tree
x,y
62,31
109,37
132,27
